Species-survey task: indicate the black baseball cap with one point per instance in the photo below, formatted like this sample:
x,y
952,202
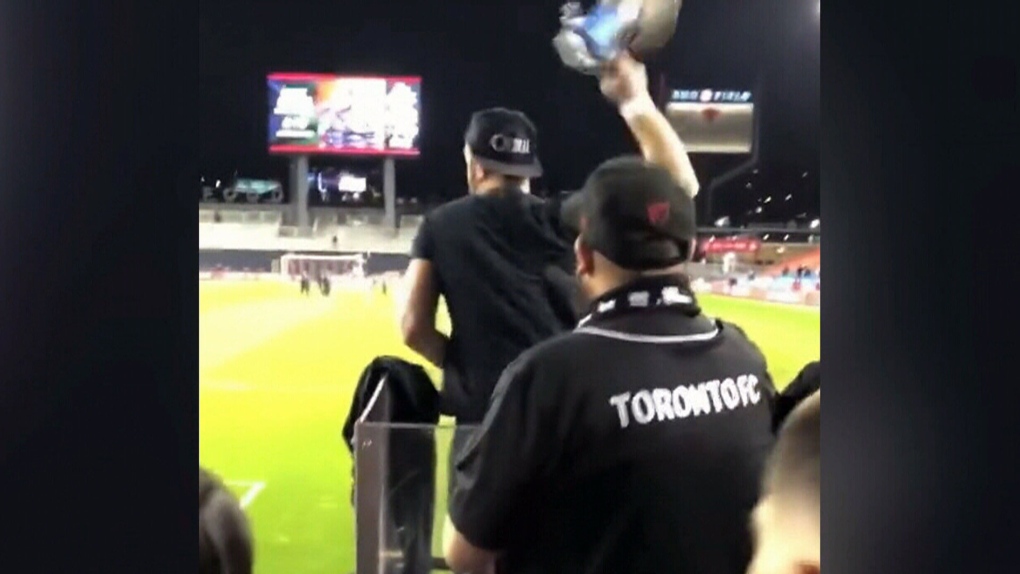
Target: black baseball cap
x,y
634,213
504,141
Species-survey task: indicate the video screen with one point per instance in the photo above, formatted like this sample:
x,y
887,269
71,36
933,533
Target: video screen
x,y
340,187
713,121
344,115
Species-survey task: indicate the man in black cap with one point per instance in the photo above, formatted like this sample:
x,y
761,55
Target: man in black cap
x,y
489,253
636,442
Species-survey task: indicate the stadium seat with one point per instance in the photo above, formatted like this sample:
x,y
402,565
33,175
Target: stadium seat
x,y
811,260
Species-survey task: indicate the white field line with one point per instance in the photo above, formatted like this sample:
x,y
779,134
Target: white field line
x,y
252,489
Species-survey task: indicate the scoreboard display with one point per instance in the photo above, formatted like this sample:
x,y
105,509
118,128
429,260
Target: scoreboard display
x,y
713,121
344,115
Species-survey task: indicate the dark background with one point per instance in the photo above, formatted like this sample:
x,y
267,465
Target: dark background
x,y
98,297
473,55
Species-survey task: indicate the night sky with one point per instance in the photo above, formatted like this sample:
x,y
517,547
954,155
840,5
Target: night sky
x,y
481,53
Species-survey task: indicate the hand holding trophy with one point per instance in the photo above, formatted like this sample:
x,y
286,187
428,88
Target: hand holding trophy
x,y
613,28
623,79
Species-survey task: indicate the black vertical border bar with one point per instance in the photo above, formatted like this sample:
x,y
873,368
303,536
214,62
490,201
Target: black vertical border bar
x,y
914,327
98,286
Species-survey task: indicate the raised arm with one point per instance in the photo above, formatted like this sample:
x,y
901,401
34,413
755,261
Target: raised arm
x,y
625,83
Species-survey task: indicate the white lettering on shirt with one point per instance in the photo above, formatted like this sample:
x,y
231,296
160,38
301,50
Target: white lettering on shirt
x,y
686,401
620,402
642,407
730,395
663,404
638,299
713,391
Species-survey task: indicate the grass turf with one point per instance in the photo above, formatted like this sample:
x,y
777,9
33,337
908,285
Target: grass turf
x,y
277,372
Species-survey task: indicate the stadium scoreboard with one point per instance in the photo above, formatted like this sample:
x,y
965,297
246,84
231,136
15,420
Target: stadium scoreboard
x,y
344,115
710,96
713,121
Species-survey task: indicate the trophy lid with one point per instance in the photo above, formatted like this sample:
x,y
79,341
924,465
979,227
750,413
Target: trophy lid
x,y
657,24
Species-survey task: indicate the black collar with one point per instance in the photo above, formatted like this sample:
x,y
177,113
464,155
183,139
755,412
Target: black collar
x,y
669,291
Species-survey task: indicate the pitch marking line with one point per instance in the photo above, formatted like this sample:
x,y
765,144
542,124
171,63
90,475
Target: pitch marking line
x,y
252,489
794,306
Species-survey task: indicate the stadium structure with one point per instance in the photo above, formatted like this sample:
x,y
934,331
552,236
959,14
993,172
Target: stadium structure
x,y
253,230
278,367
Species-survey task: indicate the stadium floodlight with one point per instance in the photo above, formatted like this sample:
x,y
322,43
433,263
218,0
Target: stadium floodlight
x,y
350,266
815,223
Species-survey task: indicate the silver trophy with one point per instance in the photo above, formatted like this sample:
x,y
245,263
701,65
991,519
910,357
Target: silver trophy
x,y
611,27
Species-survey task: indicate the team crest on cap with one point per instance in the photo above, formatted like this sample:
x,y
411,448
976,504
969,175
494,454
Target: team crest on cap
x,y
509,144
658,212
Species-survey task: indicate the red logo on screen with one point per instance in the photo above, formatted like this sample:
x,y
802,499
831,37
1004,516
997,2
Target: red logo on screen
x,y
658,212
711,114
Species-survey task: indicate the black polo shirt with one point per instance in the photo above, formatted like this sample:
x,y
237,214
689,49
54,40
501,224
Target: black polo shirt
x,y
490,255
807,381
633,444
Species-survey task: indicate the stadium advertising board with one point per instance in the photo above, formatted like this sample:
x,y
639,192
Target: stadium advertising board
x,y
255,190
244,190
734,245
344,115
713,121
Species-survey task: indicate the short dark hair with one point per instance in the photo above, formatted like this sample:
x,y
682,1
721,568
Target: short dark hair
x,y
508,180
795,464
224,538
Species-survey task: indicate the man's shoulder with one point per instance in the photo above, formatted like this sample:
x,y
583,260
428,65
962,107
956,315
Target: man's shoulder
x,y
742,345
451,208
564,349
740,338
544,368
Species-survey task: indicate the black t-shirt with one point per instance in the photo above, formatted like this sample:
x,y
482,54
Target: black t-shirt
x,y
807,381
632,444
491,255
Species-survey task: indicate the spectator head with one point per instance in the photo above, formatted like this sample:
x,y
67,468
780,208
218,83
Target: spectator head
x,y
224,538
787,520
631,219
500,150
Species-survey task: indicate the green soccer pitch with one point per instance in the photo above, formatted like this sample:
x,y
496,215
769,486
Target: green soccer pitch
x,y
277,373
